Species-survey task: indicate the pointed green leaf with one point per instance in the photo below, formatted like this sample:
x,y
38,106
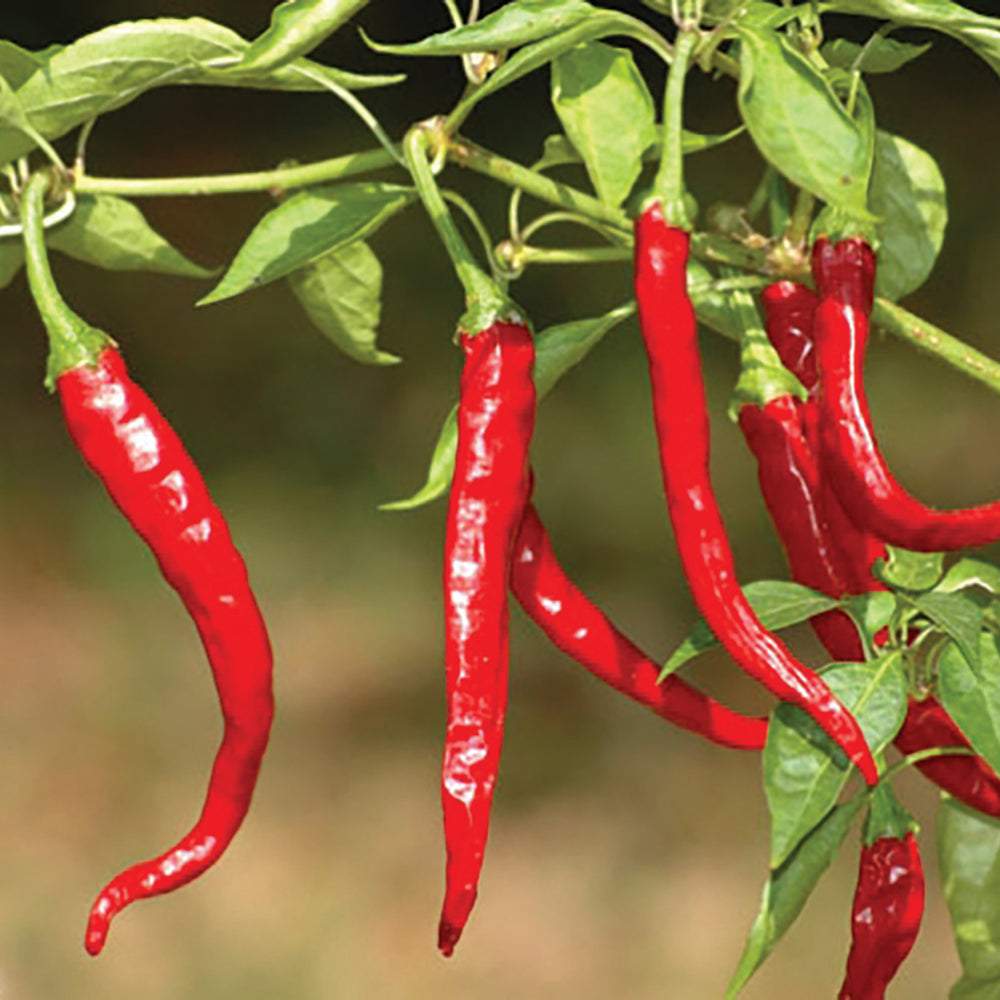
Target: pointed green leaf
x,y
608,114
307,226
111,67
801,779
17,64
516,23
297,27
799,125
969,856
908,192
790,886
972,697
777,603
342,293
911,570
557,350
971,573
882,55
112,233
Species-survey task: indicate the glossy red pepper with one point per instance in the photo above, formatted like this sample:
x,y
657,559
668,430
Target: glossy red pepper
x,y
845,274
584,632
885,918
496,416
667,321
153,481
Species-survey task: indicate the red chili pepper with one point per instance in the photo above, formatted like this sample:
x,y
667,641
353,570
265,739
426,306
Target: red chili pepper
x,y
965,776
845,273
885,918
789,310
585,633
496,417
153,481
669,331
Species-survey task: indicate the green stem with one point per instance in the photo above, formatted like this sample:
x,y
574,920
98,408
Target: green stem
x,y
798,226
281,178
584,255
927,754
467,154
484,300
477,224
72,342
932,340
669,182
759,198
554,218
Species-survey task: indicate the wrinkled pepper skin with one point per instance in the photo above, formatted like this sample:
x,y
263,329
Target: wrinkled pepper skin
x,y
885,918
584,633
153,481
496,416
966,777
844,273
667,322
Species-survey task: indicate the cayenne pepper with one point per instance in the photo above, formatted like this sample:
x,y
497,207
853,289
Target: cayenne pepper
x,y
844,273
667,322
490,487
806,498
885,916
584,632
153,481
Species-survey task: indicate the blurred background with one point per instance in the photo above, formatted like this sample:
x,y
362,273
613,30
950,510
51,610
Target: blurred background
x,y
626,859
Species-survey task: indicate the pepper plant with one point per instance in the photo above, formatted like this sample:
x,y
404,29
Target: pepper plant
x,y
845,219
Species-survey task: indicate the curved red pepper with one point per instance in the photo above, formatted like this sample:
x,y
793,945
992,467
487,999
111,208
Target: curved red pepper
x,y
845,273
496,416
153,481
584,632
669,331
885,918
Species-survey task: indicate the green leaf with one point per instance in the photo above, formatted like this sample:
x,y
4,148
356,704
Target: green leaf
x,y
788,888
968,846
777,603
799,125
307,226
971,573
608,114
112,233
557,350
514,24
958,617
342,293
874,610
908,570
978,32
11,260
972,698
801,778
112,67
908,192
17,64
882,55
297,27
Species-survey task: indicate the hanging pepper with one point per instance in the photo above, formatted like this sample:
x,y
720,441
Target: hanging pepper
x,y
667,322
583,632
885,917
153,481
844,273
489,489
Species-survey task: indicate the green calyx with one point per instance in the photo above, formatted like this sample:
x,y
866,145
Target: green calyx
x,y
72,341
887,817
763,377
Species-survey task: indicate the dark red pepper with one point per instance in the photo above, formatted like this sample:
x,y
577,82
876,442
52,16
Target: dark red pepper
x,y
496,417
584,632
885,918
153,481
667,321
844,273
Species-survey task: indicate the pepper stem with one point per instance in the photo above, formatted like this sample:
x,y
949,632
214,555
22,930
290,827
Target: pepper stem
x,y
72,342
669,183
485,302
